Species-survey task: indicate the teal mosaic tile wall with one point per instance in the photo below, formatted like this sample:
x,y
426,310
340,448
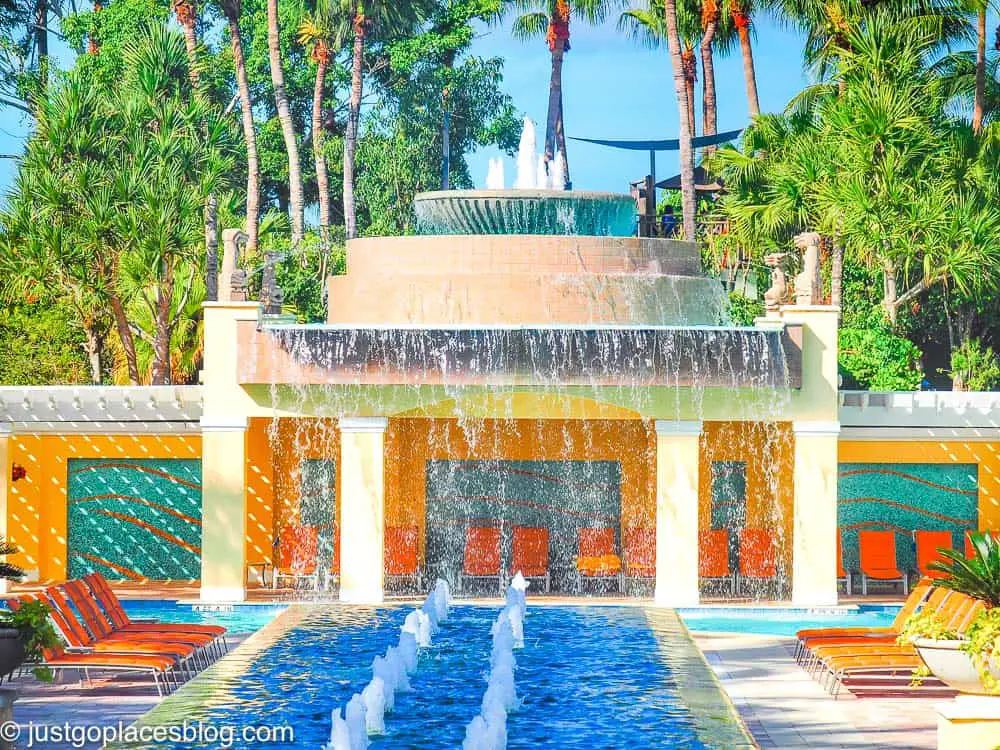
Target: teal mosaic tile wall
x,y
904,498
560,495
318,504
135,518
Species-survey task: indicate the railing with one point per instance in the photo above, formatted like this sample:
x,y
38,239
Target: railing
x,y
651,226
932,409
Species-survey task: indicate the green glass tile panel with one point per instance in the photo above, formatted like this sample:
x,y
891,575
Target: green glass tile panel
x,y
134,518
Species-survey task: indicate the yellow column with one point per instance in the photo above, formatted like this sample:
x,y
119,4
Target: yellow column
x,y
677,450
6,438
223,516
362,524
814,535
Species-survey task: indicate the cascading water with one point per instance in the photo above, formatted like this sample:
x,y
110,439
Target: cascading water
x,y
527,158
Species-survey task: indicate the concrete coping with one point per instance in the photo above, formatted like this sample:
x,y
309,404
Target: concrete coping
x,y
971,708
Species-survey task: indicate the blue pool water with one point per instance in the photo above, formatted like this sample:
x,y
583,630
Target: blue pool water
x,y
590,678
240,618
781,621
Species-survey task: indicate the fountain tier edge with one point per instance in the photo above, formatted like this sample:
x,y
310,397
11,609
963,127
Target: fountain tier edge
x,y
546,212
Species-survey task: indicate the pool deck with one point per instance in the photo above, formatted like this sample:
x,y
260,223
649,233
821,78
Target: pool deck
x,y
784,708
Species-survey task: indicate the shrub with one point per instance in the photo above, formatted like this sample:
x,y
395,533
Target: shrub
x,y
878,360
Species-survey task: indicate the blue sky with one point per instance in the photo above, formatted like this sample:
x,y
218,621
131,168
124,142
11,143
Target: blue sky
x,y
612,88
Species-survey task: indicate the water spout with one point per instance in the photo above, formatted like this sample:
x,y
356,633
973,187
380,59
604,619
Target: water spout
x,y
557,172
357,723
542,174
374,696
527,151
340,734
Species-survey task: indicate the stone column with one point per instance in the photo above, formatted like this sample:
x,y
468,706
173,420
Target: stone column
x,y
362,524
223,514
814,535
6,451
677,454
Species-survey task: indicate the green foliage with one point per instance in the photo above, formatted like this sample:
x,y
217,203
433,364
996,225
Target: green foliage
x,y
978,576
975,367
8,571
983,645
31,620
743,310
924,624
41,343
302,275
879,360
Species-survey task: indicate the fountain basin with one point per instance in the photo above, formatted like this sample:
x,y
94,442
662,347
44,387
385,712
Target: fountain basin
x,y
551,212
543,357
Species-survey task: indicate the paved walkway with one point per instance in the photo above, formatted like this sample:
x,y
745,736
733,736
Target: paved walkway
x,y
784,709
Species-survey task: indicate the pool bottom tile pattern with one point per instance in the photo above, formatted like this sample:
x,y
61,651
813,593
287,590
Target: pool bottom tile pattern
x,y
590,678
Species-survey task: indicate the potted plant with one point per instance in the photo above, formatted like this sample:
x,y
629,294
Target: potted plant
x,y
968,662
25,632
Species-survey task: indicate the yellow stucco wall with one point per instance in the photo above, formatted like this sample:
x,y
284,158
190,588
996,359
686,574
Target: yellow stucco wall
x,y
37,504
986,455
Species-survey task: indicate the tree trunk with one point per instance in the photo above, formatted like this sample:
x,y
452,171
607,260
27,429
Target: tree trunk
x,y
980,99
161,335
93,346
710,115
126,338
288,134
249,135
836,272
322,56
890,290
686,152
353,120
42,42
93,45
690,77
553,119
561,145
742,22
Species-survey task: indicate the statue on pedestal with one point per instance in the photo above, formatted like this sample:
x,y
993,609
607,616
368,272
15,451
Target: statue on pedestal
x,y
807,284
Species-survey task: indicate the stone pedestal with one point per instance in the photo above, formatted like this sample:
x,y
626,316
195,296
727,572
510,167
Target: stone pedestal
x,y
677,453
814,535
969,722
362,525
223,530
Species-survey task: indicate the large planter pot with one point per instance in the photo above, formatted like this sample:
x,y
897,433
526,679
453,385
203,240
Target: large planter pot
x,y
11,651
951,665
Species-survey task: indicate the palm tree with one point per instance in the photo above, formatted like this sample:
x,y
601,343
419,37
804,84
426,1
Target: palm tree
x,y
232,10
187,16
740,12
980,6
364,19
688,198
314,34
648,26
295,199
551,19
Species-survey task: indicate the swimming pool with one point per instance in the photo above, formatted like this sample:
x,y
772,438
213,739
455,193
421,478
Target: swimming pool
x,y
237,618
782,620
591,678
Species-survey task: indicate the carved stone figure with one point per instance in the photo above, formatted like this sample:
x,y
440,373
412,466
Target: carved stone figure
x,y
774,297
230,275
807,285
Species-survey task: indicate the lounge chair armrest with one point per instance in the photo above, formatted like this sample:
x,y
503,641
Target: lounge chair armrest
x,y
78,649
144,620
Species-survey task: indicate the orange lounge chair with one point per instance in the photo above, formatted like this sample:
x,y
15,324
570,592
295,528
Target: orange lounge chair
x,y
915,599
401,561
121,622
80,637
928,543
596,557
194,646
298,547
877,550
713,556
887,661
482,554
161,668
640,552
530,553
757,555
842,574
